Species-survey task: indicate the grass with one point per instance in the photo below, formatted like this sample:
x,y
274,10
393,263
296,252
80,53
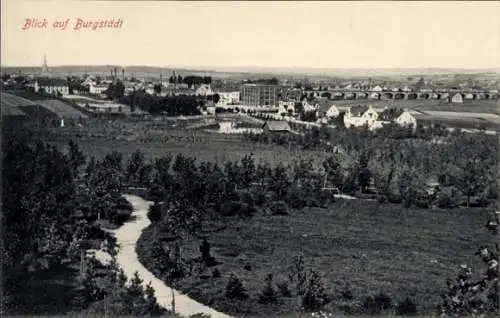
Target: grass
x,y
357,245
99,138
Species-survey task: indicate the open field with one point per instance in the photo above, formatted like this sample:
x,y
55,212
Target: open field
x,y
359,246
8,100
99,138
61,108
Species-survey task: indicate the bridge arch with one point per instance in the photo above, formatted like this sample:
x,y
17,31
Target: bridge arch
x,y
388,95
400,96
412,96
361,95
425,96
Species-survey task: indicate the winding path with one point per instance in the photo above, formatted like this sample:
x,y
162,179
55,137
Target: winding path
x,y
127,236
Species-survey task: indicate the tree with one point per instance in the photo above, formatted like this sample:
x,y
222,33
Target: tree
x,y
280,181
268,294
481,297
235,289
333,171
216,98
315,296
157,88
76,156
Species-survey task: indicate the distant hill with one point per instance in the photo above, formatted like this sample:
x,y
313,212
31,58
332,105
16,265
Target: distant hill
x,y
249,72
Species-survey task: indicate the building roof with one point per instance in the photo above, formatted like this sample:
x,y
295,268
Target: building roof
x,y
324,105
390,114
275,125
358,110
44,81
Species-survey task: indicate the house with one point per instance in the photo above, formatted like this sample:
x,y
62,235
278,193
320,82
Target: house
x,y
457,98
287,107
401,117
210,107
327,109
52,85
229,97
204,90
358,116
276,126
97,89
310,105
226,126
469,96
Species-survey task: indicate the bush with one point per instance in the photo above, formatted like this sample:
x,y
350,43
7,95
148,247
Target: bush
x,y
347,294
154,213
246,197
375,305
268,294
216,273
448,198
247,210
315,296
230,208
279,208
235,289
283,289
406,308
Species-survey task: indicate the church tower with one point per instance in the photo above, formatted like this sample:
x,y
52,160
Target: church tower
x,y
45,68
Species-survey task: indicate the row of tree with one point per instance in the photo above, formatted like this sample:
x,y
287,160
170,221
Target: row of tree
x,y
171,105
467,162
190,80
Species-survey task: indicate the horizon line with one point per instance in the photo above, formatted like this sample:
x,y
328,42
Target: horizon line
x,y
264,67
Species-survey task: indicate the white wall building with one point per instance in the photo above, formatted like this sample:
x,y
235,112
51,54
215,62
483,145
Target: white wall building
x,y
359,116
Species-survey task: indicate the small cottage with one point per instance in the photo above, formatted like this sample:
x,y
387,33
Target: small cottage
x,y
276,126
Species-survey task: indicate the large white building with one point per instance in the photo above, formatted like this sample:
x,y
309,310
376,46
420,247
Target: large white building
x,y
359,116
228,97
401,117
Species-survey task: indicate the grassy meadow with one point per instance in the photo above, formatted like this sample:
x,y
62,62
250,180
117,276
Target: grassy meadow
x,y
358,246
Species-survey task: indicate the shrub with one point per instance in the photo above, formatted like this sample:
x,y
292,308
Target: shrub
x,y
235,289
312,202
154,213
216,273
279,208
347,294
283,289
246,197
406,308
230,208
315,296
375,305
247,210
448,198
268,294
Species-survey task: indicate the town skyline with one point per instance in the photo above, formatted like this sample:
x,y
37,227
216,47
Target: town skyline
x,y
310,35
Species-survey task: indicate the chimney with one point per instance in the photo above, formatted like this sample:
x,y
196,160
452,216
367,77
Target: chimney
x,y
123,74
115,74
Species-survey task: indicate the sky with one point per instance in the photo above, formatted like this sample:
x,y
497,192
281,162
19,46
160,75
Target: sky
x,y
308,34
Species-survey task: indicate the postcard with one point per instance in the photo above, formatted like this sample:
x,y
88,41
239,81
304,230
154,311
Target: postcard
x,y
250,159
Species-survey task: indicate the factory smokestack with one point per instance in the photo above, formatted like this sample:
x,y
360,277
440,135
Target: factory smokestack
x,y
123,74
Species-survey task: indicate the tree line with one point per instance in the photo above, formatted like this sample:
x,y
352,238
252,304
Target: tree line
x,y
190,80
399,162
170,105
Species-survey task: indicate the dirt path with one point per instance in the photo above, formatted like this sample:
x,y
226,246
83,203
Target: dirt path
x,y
127,236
